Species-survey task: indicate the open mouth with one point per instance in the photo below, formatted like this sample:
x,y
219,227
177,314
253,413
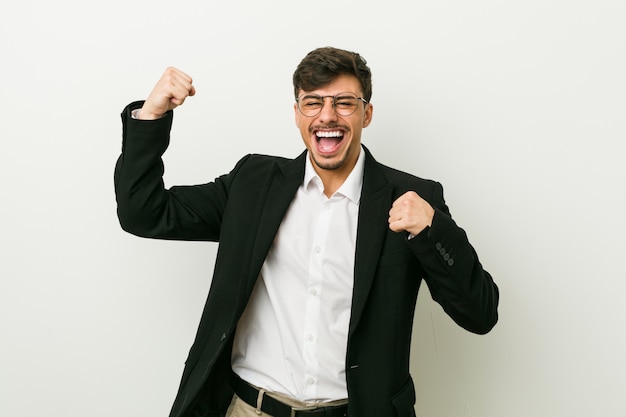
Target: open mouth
x,y
328,141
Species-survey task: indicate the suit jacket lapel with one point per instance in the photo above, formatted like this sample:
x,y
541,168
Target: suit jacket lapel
x,y
281,189
373,215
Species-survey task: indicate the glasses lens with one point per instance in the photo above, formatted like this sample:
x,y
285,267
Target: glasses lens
x,y
345,105
310,105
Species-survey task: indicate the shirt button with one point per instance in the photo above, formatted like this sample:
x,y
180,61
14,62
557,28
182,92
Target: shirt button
x,y
318,249
313,291
309,338
310,381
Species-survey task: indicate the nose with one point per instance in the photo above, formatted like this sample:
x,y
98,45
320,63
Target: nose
x,y
328,110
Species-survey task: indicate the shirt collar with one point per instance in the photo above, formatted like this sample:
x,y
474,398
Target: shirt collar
x,y
351,187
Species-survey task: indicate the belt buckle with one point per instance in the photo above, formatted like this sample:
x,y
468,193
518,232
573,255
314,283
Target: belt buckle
x,y
294,410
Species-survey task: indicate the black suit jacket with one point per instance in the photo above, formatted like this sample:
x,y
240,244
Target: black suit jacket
x,y
243,210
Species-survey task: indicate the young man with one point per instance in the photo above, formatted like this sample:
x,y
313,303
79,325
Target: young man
x,y
320,257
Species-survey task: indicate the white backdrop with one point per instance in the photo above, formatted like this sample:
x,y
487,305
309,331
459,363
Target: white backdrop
x,y
517,107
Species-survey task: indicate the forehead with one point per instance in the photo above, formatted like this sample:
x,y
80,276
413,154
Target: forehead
x,y
342,84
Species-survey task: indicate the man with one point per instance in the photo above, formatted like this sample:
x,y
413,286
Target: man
x,y
320,257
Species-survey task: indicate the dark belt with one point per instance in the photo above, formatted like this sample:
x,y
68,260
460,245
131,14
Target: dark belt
x,y
276,408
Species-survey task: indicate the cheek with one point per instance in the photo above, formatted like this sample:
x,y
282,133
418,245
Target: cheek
x,y
303,132
302,125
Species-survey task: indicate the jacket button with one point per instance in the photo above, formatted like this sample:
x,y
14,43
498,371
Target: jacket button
x,y
223,337
450,262
438,246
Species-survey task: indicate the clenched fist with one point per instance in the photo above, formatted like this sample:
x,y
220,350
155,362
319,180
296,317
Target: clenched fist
x,y
169,92
410,213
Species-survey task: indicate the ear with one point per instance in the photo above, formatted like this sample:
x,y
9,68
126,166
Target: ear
x,y
369,112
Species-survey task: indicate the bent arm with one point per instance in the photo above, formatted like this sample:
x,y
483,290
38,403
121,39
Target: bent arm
x,y
453,272
144,207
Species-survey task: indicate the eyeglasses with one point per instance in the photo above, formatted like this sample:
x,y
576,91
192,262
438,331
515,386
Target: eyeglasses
x,y
345,104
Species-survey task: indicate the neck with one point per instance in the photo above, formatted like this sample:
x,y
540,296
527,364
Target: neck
x,y
333,178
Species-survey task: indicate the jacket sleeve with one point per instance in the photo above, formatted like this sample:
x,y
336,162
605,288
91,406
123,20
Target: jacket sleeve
x,y
453,272
144,207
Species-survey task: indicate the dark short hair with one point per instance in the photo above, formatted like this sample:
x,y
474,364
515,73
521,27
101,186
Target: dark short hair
x,y
321,66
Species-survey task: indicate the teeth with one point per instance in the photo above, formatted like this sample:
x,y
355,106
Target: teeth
x,y
334,134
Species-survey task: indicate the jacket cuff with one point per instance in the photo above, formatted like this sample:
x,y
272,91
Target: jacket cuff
x,y
137,131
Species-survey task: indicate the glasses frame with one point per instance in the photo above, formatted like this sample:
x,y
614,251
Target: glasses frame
x,y
334,98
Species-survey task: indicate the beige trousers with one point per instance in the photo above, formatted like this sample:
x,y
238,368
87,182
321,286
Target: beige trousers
x,y
239,408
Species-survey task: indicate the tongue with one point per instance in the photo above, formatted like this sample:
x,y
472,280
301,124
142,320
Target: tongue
x,y
327,144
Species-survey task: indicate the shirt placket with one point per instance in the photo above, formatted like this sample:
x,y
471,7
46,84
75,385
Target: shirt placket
x,y
313,301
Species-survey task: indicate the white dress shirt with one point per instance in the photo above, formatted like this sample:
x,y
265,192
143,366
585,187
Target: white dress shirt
x,y
292,337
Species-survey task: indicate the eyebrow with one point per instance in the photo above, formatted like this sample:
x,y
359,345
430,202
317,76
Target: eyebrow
x,y
338,95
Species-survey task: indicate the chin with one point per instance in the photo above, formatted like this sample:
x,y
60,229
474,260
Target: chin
x,y
330,164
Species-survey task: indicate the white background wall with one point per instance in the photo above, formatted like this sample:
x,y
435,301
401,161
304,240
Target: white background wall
x,y
517,107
